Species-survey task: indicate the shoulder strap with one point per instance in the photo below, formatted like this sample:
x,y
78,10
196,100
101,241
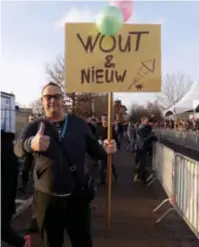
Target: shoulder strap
x,y
71,166
60,142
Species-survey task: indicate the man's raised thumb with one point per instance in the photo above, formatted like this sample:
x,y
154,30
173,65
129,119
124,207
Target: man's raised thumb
x,y
41,129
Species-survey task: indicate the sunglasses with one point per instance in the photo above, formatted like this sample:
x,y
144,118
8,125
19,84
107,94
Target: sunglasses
x,y
49,97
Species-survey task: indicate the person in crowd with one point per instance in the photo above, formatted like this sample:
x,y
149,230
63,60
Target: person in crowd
x,y
143,139
92,165
131,134
63,191
27,169
9,174
94,121
92,125
171,124
195,124
152,137
118,130
124,127
31,118
102,132
28,163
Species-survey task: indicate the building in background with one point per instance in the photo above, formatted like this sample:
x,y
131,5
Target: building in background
x,y
8,116
22,115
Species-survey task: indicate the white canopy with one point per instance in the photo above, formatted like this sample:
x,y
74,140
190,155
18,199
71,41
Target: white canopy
x,y
186,103
195,103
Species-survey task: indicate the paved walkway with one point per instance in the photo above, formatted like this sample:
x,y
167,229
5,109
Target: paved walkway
x,y
133,223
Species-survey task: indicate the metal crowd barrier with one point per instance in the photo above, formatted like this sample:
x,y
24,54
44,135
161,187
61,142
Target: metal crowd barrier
x,y
186,190
179,176
187,139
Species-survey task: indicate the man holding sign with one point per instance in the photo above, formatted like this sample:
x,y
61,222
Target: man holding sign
x,y
63,191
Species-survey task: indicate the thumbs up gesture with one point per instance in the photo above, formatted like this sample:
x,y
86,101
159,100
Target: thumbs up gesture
x,y
40,142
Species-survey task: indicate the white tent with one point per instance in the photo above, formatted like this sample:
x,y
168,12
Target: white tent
x,y
186,103
195,103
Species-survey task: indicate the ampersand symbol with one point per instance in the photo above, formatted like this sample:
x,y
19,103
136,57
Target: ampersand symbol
x,y
108,63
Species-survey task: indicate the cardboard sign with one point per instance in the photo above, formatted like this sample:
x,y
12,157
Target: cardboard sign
x,y
127,62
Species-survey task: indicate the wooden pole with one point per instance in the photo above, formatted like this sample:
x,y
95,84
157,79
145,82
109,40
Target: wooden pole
x,y
109,160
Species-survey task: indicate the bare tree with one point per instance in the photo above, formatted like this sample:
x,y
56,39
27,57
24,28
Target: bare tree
x,y
152,110
174,87
37,107
55,71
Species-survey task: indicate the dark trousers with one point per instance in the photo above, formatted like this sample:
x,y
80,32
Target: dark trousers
x,y
8,234
26,173
118,143
141,161
103,169
55,214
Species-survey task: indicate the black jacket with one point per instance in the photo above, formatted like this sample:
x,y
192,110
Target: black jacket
x,y
102,132
51,171
9,173
118,129
144,136
93,129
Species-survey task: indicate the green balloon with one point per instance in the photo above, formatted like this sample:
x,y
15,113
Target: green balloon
x,y
110,20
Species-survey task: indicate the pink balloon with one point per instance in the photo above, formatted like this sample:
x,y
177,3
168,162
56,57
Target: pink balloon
x,y
125,6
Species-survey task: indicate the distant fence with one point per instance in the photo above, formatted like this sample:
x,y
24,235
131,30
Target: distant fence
x,y
179,176
189,139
